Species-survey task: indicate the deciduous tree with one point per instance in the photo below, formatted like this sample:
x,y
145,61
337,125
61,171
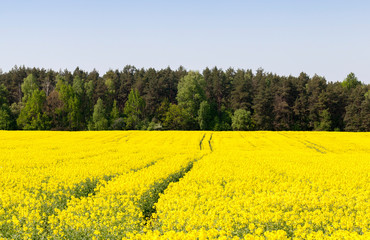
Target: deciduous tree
x,y
242,120
99,120
32,116
134,110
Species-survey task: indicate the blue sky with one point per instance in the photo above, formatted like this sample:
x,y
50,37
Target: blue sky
x,y
329,38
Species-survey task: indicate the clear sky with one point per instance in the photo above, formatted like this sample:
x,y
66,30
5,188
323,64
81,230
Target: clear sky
x,y
329,38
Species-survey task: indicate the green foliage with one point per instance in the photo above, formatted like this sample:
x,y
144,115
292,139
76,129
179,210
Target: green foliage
x,y
5,113
74,112
28,86
335,103
16,108
317,100
99,121
4,94
154,125
177,118
71,96
241,94
111,81
177,99
89,86
5,117
78,86
357,110
242,120
367,95
134,110
351,81
118,124
190,93
365,112
222,122
325,121
205,116
263,103
32,116
114,114
162,110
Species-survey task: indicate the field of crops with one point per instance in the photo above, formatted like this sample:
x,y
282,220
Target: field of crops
x,y
184,185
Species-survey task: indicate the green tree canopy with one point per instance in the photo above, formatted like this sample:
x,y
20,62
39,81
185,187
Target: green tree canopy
x,y
191,93
134,110
365,112
71,96
99,120
6,121
177,118
3,95
205,100
205,116
28,86
5,118
114,114
78,86
325,122
32,116
351,81
242,120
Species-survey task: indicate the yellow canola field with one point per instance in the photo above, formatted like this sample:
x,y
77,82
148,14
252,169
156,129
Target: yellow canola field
x,y
184,185
47,176
271,185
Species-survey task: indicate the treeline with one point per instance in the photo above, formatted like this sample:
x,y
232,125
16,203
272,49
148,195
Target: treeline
x,y
149,99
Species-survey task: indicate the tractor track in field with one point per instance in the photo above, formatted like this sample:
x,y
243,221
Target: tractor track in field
x,y
201,145
80,190
150,198
146,203
249,142
88,186
210,143
308,144
201,142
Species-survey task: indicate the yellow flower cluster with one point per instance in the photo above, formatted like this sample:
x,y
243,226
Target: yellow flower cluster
x,y
184,185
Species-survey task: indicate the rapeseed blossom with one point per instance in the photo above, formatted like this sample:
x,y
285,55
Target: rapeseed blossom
x,y
184,185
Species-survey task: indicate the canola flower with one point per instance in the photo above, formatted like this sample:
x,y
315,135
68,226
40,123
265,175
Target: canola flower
x,y
184,185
